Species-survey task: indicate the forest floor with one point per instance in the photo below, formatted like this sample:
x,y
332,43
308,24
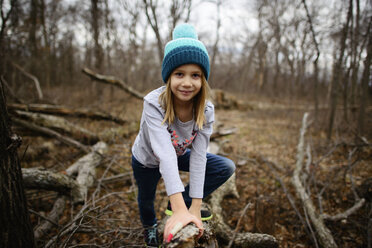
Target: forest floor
x,y
267,131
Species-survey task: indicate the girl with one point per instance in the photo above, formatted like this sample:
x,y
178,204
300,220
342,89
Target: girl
x,y
174,135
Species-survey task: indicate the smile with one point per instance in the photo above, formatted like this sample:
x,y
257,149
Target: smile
x,y
185,92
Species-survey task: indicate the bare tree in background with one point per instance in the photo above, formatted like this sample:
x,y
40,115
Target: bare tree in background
x,y
5,16
365,81
177,10
337,72
315,62
150,10
96,16
216,41
355,58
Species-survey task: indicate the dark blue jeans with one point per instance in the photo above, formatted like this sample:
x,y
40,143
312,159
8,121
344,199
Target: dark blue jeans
x,y
218,170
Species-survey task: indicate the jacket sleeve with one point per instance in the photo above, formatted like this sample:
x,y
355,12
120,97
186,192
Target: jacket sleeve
x,y
198,156
162,148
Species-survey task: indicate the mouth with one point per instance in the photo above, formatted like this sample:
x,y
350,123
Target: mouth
x,y
185,92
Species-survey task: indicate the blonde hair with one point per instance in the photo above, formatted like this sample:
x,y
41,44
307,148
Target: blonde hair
x,y
199,101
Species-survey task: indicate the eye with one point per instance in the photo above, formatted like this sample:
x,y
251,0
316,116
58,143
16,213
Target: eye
x,y
196,75
178,74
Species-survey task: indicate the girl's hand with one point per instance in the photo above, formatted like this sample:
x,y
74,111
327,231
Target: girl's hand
x,y
185,217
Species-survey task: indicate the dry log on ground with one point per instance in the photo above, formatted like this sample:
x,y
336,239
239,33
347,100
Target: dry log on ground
x,y
113,81
324,234
61,125
54,214
62,110
223,132
84,169
48,180
64,139
217,228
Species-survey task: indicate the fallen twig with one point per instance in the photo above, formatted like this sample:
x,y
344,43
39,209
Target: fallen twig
x,y
249,205
325,236
347,213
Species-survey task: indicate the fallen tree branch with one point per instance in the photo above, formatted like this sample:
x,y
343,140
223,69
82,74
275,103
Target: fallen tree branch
x,y
85,167
32,77
223,132
53,217
113,81
60,124
43,217
64,111
347,213
48,180
325,236
66,140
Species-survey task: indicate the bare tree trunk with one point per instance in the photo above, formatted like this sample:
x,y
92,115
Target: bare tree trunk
x,y
32,34
96,32
153,21
337,72
15,229
345,93
365,80
355,64
215,45
5,16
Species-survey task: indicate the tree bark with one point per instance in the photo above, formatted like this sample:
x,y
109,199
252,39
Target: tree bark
x,y
47,180
15,228
365,80
96,16
337,72
85,167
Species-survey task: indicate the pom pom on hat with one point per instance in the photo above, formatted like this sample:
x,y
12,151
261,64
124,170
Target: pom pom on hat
x,y
184,31
184,48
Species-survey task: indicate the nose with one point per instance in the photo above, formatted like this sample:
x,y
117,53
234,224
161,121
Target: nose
x,y
187,82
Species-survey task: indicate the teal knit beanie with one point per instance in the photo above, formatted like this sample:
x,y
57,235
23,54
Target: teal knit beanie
x,y
184,48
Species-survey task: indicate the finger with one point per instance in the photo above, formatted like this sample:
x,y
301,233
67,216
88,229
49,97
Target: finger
x,y
166,229
201,232
198,223
177,227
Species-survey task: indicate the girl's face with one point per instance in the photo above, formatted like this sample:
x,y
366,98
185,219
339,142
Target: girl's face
x,y
186,82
